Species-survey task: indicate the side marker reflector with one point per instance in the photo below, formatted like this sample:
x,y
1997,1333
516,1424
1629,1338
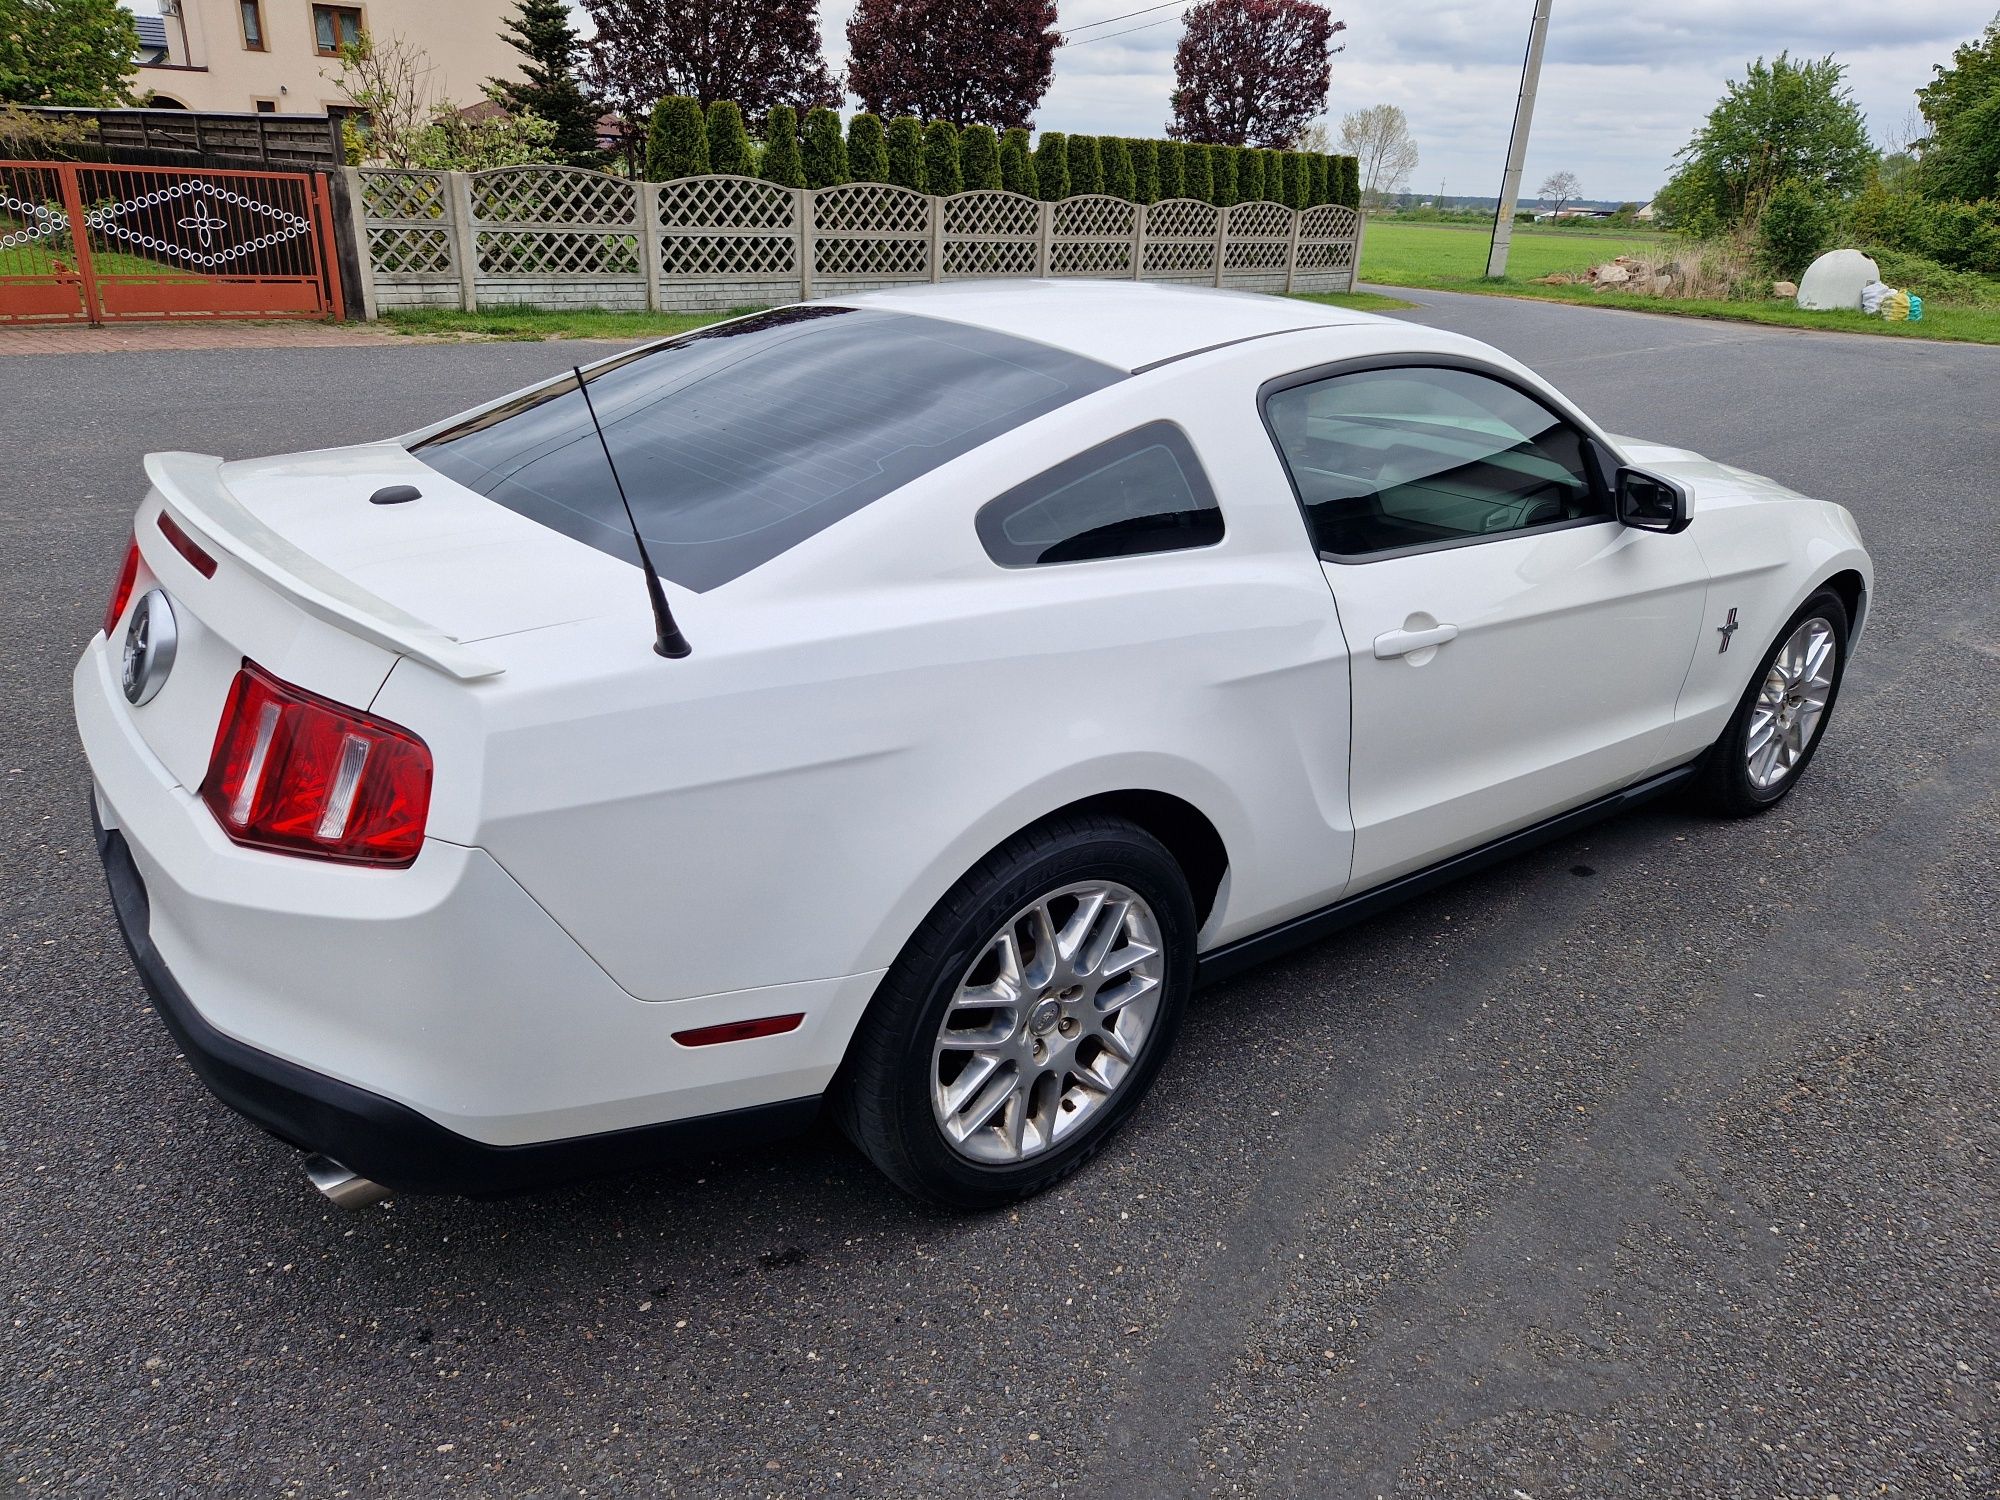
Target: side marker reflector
x,y
739,1031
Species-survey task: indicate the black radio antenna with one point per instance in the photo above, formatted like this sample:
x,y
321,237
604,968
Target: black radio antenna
x,y
667,640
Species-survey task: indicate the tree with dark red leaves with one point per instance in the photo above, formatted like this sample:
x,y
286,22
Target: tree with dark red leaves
x,y
1252,72
985,64
756,52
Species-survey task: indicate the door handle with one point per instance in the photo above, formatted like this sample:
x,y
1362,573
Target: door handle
x,y
1402,642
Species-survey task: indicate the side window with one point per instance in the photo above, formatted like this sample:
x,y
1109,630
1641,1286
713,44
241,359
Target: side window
x,y
1385,460
1142,492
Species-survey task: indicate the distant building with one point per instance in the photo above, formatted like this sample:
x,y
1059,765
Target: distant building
x,y
282,56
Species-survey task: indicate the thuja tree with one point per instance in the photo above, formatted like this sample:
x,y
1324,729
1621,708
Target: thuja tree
x,y
1197,178
867,149
1145,170
1052,166
906,152
822,152
1169,157
677,143
1249,175
1318,190
1017,164
728,141
941,172
1224,188
782,163
1117,165
979,157
1086,167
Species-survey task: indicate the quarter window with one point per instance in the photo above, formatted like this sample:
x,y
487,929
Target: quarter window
x,y
334,27
1390,460
1142,492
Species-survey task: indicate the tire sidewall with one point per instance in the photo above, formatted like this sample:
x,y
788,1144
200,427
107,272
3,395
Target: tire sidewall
x,y
1129,857
1732,767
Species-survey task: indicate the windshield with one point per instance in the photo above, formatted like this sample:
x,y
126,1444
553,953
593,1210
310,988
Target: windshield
x,y
738,442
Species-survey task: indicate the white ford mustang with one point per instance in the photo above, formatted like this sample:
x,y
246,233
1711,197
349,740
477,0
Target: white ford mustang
x,y
898,703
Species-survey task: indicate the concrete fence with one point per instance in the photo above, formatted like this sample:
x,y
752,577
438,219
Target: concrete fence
x,y
563,237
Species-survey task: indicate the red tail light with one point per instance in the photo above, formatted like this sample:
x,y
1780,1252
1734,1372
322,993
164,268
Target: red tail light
x,y
299,774
121,592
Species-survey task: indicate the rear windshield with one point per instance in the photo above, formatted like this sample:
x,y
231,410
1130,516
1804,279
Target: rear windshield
x,y
738,442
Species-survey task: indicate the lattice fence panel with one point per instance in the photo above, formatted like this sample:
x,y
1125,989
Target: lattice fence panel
x,y
722,202
387,193
870,255
1180,237
871,207
728,227
1093,237
558,252
553,195
990,234
405,250
1329,235
1259,237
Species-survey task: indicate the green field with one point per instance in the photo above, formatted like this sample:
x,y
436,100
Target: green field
x,y
1452,258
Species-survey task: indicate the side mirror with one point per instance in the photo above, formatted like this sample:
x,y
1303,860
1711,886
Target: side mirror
x,y
1647,502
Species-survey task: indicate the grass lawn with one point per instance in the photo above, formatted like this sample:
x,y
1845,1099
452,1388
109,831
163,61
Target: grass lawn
x,y
1452,258
533,323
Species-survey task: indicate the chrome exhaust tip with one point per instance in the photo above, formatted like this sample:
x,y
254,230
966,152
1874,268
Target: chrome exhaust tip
x,y
344,1189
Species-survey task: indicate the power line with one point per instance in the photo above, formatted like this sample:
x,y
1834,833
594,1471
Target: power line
x,y
1110,34
1144,10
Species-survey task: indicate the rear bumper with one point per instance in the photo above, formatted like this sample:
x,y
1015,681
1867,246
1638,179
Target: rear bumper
x,y
377,1137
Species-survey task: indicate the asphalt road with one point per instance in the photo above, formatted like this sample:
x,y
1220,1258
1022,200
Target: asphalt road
x,y
1660,1162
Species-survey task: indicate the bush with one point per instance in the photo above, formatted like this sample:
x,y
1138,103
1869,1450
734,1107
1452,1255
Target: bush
x,y
1962,236
1117,162
1793,227
1086,166
906,152
728,141
1145,170
979,157
1197,173
1017,163
867,149
941,170
677,140
1171,157
822,152
782,162
1932,281
1052,167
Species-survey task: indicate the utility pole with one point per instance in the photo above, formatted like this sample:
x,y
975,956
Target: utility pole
x,y
1517,143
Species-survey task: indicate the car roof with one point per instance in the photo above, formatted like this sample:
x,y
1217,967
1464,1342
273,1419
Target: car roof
x,y
1126,324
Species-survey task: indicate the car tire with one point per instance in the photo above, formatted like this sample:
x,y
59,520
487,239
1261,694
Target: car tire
x,y
1759,758
1068,1056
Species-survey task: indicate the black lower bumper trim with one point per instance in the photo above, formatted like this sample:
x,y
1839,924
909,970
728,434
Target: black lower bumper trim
x,y
377,1137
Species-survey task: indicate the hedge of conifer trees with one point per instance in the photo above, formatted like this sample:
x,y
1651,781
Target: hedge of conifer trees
x,y
684,140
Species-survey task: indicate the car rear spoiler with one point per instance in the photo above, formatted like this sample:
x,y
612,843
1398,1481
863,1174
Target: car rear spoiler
x,y
191,485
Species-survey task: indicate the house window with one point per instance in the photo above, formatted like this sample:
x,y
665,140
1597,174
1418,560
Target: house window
x,y
252,13
334,27
267,106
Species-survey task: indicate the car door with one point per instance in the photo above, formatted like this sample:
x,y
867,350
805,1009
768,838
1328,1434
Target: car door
x,y
1514,651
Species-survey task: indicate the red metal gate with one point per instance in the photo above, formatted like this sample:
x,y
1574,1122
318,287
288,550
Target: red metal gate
x,y
85,243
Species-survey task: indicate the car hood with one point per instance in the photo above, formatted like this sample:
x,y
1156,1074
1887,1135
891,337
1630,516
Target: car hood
x,y
452,558
1703,477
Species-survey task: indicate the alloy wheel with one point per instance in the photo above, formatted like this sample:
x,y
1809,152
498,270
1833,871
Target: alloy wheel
x,y
1047,1022
1790,704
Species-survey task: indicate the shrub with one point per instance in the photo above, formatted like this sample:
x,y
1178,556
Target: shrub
x,y
1224,163
1145,170
728,141
1117,161
1935,282
942,174
1197,173
1017,164
1274,176
1052,166
979,157
677,140
1298,179
1248,166
867,149
1962,236
822,152
906,152
1318,169
1792,228
1086,166
782,163
1170,156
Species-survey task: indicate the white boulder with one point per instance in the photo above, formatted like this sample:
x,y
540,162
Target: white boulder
x,y
1835,280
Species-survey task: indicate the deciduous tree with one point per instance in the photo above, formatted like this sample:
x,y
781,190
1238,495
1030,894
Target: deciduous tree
x,y
1251,71
540,30
983,64
1961,105
73,52
759,53
1379,138
1558,189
